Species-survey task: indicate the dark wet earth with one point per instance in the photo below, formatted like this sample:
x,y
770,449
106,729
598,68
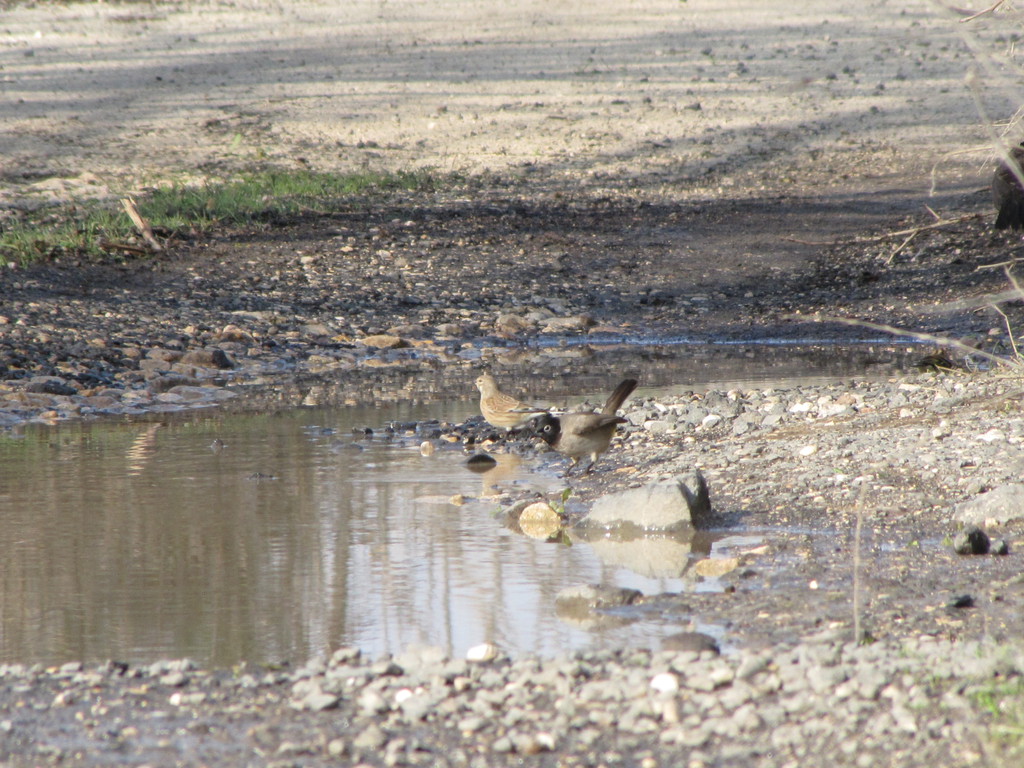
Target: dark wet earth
x,y
483,266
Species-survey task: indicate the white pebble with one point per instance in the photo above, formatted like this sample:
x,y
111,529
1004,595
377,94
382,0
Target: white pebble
x,y
665,683
482,652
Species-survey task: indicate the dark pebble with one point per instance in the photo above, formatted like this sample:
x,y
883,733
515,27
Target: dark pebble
x,y
50,387
971,541
480,462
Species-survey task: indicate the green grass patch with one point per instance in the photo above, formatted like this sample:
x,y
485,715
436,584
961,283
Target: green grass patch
x,y
1004,701
95,229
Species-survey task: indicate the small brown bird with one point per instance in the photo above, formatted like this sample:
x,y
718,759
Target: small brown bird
x,y
501,410
1008,193
585,434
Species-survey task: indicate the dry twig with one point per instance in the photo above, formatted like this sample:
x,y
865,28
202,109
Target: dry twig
x,y
886,235
900,247
999,265
990,9
140,223
931,338
858,637
110,245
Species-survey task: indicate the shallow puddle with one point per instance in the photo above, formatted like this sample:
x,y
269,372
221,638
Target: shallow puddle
x,y
282,536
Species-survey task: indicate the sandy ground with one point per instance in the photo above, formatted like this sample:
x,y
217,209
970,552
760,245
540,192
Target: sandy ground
x,y
701,97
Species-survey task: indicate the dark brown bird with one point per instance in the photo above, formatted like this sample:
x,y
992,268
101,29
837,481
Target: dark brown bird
x,y
585,434
1008,193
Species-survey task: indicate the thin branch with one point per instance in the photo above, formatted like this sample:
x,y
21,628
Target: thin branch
x,y
976,302
1014,282
941,341
898,233
140,223
901,246
1020,293
1009,329
990,9
999,265
110,245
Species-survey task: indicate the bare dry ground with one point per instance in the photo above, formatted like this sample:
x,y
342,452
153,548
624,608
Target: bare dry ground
x,y
697,99
760,129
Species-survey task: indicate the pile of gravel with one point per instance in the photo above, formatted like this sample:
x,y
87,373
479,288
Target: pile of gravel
x,y
909,703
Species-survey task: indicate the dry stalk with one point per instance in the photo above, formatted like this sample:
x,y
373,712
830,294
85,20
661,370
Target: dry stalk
x,y
1009,329
886,235
1020,294
900,247
111,245
140,223
999,265
983,12
858,637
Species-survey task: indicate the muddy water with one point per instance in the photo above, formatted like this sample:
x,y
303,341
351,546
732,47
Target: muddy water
x,y
282,536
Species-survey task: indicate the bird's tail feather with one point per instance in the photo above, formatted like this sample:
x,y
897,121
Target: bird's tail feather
x,y
618,397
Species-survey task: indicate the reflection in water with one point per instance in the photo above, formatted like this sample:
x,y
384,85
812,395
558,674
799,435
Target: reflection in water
x,y
141,450
272,537
657,556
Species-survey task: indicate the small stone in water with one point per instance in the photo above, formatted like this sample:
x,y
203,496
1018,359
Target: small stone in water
x,y
482,652
539,520
480,462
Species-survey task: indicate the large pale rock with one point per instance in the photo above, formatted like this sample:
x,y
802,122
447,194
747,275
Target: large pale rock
x,y
998,506
664,505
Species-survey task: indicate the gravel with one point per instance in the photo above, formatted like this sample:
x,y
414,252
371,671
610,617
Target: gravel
x,y
910,702
808,456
